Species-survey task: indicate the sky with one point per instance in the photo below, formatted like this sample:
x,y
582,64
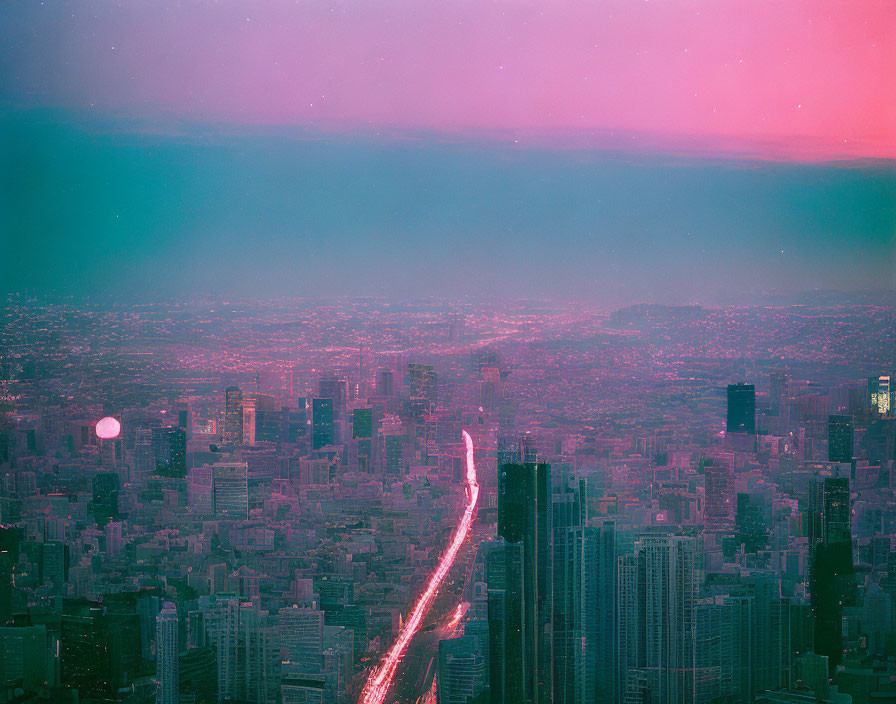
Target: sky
x,y
612,150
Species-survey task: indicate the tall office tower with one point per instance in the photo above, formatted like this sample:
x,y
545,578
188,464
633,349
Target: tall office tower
x,y
743,644
23,659
462,673
393,451
113,536
385,383
777,391
840,438
599,638
883,395
184,410
233,415
105,497
99,649
750,522
362,423
335,390
177,452
423,382
167,651
230,490
741,409
301,637
147,608
830,562
248,649
567,522
667,590
524,519
323,430
719,492
169,446
249,421
770,631
508,670
144,459
873,384
54,565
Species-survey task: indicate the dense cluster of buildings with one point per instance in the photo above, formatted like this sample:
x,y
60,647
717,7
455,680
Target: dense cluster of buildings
x,y
252,524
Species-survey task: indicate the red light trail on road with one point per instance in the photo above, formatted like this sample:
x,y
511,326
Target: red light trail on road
x,y
380,680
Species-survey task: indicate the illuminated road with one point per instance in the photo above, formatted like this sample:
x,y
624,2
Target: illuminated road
x,y
381,678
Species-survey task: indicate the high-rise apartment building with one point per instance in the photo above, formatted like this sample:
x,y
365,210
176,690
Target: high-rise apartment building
x,y
167,651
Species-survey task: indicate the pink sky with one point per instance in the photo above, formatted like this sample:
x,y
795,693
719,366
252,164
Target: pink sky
x,y
802,78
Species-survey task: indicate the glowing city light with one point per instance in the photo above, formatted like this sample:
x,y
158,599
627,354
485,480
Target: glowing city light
x,y
108,428
381,678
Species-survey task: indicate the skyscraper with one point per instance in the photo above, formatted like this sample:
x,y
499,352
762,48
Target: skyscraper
x,y
336,390
777,390
233,415
461,670
322,427
883,395
248,650
508,669
230,490
567,521
718,475
524,521
362,423
666,592
169,446
741,409
830,566
144,459
177,452
301,637
840,438
598,682
167,651
385,383
105,497
249,421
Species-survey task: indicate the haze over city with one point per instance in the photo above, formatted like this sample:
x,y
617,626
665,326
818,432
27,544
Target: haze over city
x,y
448,352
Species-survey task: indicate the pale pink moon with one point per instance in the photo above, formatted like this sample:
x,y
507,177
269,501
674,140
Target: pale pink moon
x,y
108,428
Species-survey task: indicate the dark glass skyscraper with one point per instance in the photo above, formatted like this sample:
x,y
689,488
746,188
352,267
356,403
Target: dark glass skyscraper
x,y
840,438
830,568
322,426
567,523
105,497
524,520
362,423
741,409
